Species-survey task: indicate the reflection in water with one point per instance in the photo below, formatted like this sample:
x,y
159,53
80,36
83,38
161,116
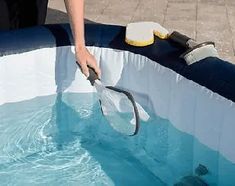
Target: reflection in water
x,y
63,117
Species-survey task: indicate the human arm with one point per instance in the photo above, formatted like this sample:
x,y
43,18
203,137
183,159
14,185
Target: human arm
x,y
75,9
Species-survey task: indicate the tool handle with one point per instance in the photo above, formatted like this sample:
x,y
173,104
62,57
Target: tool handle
x,y
180,39
92,76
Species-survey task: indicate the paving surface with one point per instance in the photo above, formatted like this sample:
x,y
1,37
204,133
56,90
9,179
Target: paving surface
x,y
200,19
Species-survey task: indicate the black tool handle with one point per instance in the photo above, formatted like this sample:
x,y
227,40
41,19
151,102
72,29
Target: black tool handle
x,y
92,75
179,38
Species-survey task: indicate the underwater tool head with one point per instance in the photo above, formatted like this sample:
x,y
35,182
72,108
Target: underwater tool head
x,y
118,106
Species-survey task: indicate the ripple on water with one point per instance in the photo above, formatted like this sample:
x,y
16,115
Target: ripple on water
x,y
37,141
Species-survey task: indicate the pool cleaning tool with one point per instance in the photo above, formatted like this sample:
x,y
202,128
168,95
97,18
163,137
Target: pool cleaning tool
x,y
118,106
191,181
195,51
142,33
200,171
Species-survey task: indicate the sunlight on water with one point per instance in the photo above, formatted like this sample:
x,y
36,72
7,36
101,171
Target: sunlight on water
x,y
65,140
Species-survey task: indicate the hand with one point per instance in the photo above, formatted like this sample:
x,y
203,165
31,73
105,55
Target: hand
x,y
85,58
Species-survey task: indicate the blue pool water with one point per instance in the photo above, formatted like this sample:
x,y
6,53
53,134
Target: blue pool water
x,y
65,140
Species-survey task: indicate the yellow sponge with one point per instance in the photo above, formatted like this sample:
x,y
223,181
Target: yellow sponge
x,y
142,33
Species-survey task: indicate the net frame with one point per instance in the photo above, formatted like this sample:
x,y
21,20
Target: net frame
x,y
135,110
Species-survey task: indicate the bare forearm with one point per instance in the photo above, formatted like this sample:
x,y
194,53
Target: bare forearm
x,y
75,9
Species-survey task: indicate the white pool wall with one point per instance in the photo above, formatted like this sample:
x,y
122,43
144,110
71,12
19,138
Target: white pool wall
x,y
189,106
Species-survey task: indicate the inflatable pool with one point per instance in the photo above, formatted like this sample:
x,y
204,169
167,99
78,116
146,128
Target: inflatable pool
x,y
52,130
